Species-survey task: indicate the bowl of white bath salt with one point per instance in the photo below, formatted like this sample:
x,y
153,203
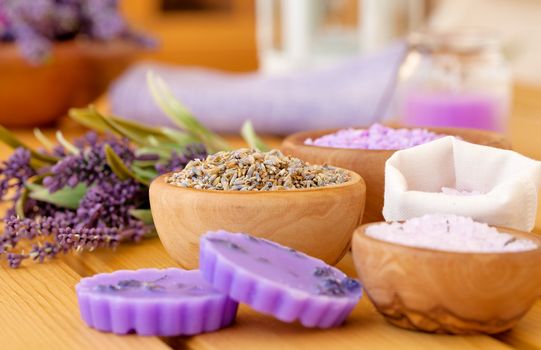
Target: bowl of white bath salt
x,y
448,274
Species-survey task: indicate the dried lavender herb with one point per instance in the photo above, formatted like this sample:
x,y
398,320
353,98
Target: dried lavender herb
x,y
124,285
251,170
324,271
334,287
228,244
350,284
263,260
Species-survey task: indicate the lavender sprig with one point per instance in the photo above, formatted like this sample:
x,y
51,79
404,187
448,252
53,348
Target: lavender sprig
x,y
93,192
89,165
15,171
103,216
35,24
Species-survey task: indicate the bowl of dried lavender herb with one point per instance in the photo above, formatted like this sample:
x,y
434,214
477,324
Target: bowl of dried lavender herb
x,y
311,208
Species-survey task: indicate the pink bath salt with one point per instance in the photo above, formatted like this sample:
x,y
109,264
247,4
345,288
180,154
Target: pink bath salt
x,y
375,137
449,232
457,192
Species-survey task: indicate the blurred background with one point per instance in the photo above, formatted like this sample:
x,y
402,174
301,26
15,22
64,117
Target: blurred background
x,y
287,65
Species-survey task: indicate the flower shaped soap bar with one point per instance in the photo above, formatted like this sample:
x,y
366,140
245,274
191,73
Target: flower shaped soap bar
x,y
451,176
153,302
277,280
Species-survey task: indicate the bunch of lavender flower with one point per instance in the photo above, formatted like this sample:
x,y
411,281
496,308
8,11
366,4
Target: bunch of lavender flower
x,y
36,24
93,192
79,202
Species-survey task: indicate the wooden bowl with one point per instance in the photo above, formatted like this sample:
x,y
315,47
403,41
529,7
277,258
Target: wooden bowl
x,y
318,222
448,292
370,164
77,73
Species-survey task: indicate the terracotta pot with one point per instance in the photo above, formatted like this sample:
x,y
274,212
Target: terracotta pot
x,y
318,221
370,164
448,292
77,73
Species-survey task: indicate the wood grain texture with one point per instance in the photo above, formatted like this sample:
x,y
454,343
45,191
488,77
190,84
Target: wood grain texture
x,y
365,328
527,333
370,164
318,222
26,321
38,310
448,292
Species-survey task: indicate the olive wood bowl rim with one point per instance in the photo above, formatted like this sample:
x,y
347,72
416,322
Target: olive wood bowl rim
x,y
354,180
361,231
297,139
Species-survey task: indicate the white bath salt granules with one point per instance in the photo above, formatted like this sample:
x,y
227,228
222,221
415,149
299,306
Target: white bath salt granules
x,y
454,191
449,233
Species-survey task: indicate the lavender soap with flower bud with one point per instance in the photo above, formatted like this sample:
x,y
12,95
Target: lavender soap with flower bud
x,y
155,302
277,280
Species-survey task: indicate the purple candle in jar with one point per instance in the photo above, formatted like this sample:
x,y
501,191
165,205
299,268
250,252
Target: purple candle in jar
x,y
156,302
463,110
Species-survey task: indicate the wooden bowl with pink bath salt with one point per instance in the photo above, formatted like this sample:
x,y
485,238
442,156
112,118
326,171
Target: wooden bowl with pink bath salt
x,y
448,292
316,221
370,164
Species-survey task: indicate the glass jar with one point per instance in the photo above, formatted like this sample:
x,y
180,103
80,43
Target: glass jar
x,y
301,34
453,80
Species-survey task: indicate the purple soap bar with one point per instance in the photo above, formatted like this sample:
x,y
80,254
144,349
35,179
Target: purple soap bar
x,y
277,280
156,302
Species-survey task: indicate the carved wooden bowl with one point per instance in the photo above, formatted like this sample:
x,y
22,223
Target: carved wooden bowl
x,y
370,164
78,72
318,222
448,292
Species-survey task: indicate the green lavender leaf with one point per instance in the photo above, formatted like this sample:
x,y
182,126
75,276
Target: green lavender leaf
x,y
151,233
67,197
68,146
249,135
119,168
117,165
20,203
144,163
93,119
160,151
136,127
135,132
45,142
90,118
179,137
149,174
144,215
181,116
9,139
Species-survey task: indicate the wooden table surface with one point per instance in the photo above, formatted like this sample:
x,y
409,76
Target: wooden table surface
x,y
38,306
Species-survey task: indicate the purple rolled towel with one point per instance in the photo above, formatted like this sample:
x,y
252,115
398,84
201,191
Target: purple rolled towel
x,y
342,96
